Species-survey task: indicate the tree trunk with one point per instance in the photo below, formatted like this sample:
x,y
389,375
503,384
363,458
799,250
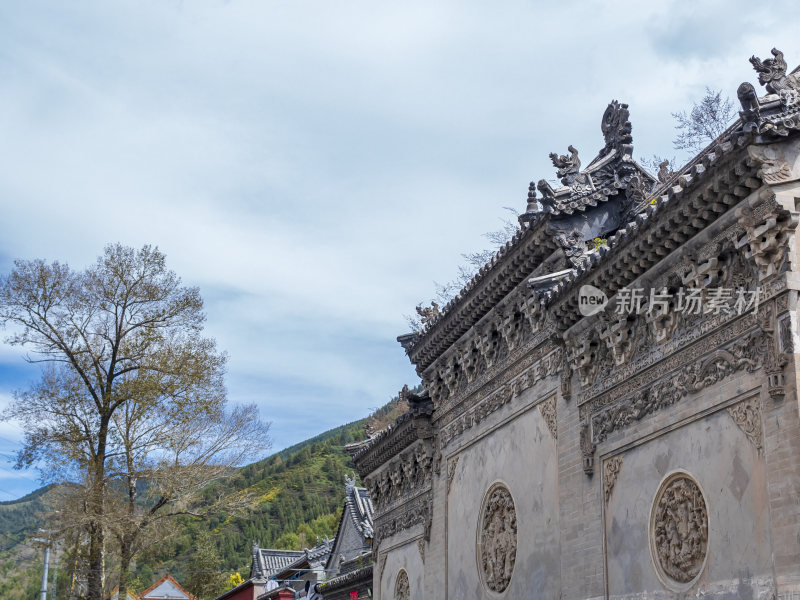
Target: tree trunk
x,y
97,512
125,558
126,542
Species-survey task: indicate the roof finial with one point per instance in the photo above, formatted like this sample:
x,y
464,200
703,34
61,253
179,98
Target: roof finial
x,y
772,73
569,167
616,128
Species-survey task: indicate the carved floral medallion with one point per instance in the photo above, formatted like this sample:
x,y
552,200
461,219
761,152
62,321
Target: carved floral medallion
x,y
497,538
679,530
402,591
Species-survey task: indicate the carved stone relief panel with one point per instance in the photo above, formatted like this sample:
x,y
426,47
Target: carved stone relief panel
x,y
402,590
497,538
611,469
406,476
548,410
747,415
679,531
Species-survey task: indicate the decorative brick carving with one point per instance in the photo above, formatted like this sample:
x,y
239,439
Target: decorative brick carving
x,y
611,468
489,344
617,334
511,327
766,239
785,328
746,353
531,307
627,379
774,167
663,320
405,477
405,516
679,535
451,471
548,410
469,357
775,360
497,538
402,590
583,359
747,415
587,448
476,410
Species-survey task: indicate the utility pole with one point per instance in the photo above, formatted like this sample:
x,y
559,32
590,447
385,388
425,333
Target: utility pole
x,y
46,544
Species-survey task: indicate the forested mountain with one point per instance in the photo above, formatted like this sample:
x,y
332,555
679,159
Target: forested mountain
x,y
299,494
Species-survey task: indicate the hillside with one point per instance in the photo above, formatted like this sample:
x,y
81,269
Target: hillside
x,y
299,490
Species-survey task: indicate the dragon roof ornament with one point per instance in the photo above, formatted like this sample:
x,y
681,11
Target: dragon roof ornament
x,y
608,174
777,113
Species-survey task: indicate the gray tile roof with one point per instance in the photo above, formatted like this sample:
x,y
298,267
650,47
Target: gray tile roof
x,y
268,561
359,507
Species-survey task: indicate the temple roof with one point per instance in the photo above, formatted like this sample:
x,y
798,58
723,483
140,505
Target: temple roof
x,y
358,507
608,174
309,558
554,220
268,561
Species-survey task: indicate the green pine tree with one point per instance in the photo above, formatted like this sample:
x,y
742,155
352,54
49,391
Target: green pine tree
x,y
206,579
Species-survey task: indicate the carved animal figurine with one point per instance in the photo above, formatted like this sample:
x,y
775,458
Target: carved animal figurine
x,y
772,73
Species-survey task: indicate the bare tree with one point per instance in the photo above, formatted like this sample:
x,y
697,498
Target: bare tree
x,y
707,119
129,390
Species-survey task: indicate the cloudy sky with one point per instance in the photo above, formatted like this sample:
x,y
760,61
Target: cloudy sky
x,y
314,167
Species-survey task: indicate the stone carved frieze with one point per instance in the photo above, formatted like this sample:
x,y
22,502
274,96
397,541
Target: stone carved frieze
x,y
405,516
747,415
497,538
746,353
696,342
514,335
421,548
679,535
548,410
611,468
406,476
476,412
402,590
